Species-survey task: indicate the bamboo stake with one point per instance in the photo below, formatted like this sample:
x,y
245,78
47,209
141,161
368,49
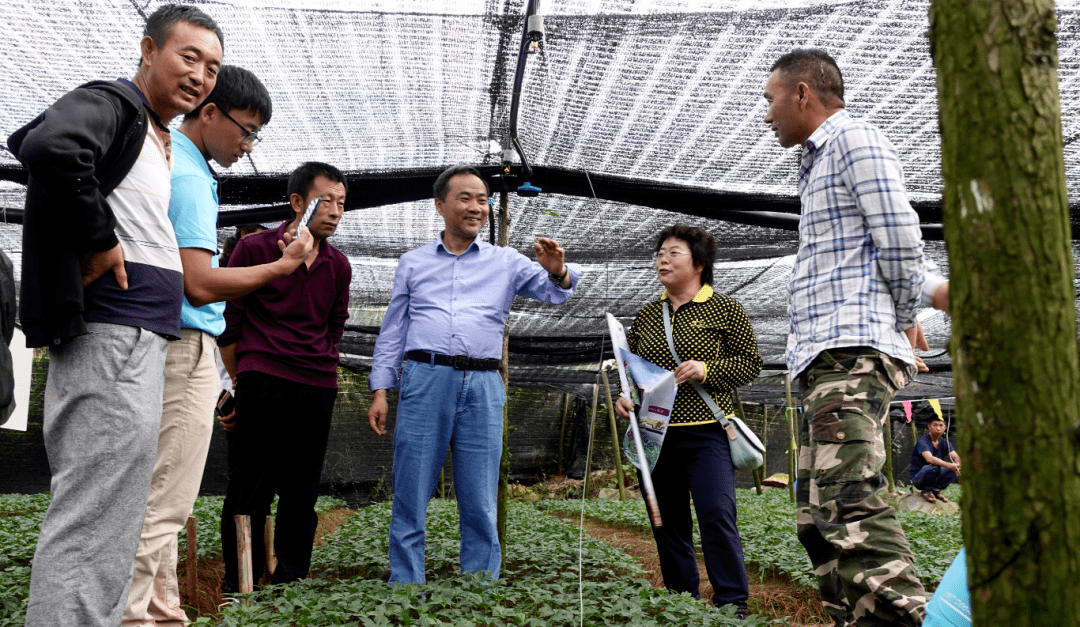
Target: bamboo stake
x,y
614,437
503,495
592,432
192,568
765,438
888,454
793,445
243,552
562,429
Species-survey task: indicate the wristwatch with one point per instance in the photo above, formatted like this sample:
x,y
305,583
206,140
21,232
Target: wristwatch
x,y
557,279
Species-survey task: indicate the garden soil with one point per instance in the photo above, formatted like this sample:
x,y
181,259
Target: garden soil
x,y
206,597
772,596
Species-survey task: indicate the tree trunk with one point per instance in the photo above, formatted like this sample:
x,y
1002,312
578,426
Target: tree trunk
x,y
1015,366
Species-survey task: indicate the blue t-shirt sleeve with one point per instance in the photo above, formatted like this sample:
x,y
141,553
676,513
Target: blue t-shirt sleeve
x,y
924,446
193,212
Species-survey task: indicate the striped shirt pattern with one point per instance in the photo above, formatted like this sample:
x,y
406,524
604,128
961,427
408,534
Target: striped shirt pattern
x,y
152,260
860,272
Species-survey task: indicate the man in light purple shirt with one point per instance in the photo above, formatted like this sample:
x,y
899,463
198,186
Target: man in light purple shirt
x,y
446,317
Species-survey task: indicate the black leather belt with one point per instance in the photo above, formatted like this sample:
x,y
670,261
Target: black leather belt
x,y
458,362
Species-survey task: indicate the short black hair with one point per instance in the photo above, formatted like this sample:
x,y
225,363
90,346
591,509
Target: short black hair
x,y
443,182
936,419
159,26
238,89
702,247
302,178
814,67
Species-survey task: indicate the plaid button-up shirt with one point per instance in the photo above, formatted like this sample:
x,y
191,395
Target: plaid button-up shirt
x,y
860,272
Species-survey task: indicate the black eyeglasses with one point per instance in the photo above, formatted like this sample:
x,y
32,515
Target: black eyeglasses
x,y
250,137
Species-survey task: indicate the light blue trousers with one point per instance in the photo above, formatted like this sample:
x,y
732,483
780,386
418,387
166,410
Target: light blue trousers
x,y
102,416
439,407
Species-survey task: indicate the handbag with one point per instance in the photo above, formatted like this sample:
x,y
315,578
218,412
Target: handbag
x,y
747,451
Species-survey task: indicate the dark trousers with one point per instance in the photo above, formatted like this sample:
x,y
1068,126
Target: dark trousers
x,y
931,477
696,461
277,447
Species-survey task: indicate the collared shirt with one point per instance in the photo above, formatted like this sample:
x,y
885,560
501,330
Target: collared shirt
x,y
193,209
860,272
290,327
713,329
457,304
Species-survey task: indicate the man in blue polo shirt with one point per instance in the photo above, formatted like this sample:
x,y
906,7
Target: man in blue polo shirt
x,y
224,128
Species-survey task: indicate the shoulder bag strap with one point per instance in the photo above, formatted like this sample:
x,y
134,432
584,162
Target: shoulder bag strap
x,y
705,396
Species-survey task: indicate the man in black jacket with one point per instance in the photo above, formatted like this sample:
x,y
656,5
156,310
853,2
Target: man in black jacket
x,y
102,288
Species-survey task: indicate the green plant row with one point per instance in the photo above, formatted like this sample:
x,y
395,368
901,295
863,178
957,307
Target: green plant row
x,y
768,532
20,522
539,586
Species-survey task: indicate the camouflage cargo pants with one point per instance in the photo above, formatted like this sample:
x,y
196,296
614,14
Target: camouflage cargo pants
x,y
859,551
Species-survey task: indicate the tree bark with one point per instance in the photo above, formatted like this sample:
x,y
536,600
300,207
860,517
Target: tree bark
x,y
1015,366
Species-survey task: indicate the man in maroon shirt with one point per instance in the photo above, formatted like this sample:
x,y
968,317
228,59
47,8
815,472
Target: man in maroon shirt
x,y
279,346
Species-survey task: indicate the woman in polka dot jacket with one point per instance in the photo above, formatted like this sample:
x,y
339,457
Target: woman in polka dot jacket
x,y
717,346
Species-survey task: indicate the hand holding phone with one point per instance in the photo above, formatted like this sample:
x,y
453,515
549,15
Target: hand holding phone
x,y
309,215
226,410
226,403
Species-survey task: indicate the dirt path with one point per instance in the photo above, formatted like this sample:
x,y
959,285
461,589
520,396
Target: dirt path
x,y
770,595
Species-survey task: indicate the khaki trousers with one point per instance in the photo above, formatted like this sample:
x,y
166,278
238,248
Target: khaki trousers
x,y
187,421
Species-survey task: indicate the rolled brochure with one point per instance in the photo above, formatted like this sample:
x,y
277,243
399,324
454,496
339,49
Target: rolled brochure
x,y
651,388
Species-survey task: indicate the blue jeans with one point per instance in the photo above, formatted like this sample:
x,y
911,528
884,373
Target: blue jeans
x,y
935,478
438,407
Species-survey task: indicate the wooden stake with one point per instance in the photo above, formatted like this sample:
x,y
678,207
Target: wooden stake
x,y
243,552
562,429
268,543
614,437
888,453
592,432
192,567
765,438
503,494
793,442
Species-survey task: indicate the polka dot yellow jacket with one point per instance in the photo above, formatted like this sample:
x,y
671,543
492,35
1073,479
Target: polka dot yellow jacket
x,y
713,329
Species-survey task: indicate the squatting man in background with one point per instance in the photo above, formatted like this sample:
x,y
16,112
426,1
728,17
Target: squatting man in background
x,y
935,464
224,128
280,345
449,305
102,288
860,274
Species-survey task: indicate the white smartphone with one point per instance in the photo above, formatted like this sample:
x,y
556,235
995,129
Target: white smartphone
x,y
309,215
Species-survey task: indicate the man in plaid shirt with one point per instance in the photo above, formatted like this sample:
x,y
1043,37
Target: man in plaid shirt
x,y
859,276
